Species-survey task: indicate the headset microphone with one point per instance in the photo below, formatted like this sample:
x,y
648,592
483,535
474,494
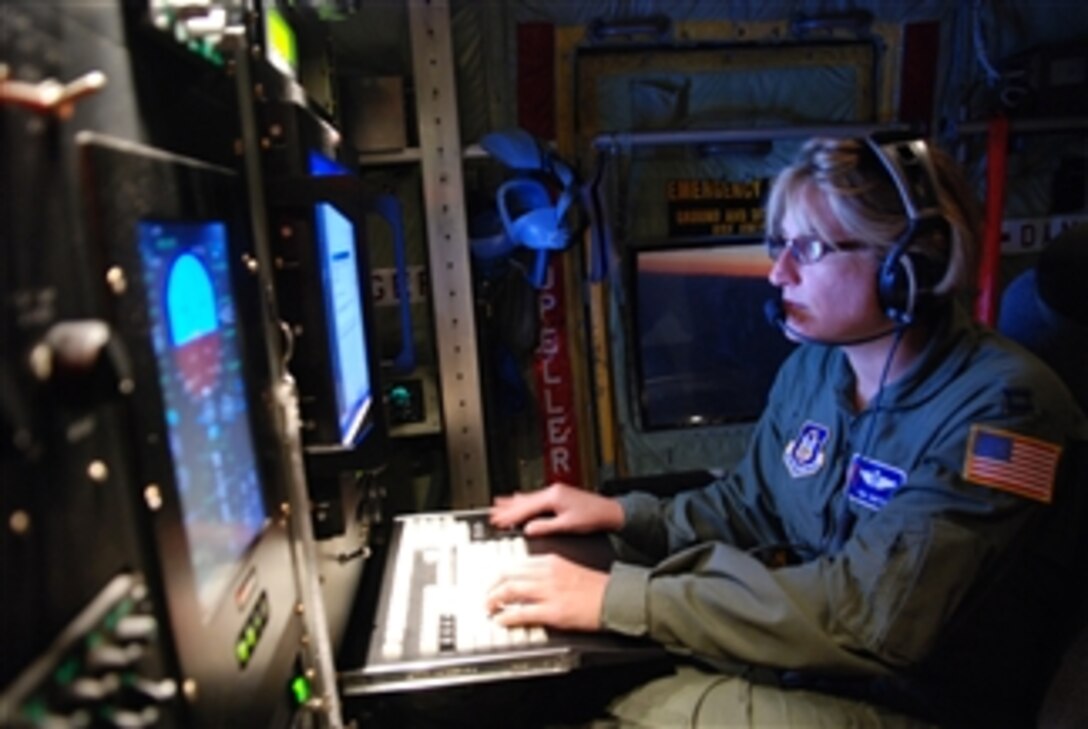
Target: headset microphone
x,y
776,315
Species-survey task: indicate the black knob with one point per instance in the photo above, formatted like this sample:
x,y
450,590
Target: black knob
x,y
83,361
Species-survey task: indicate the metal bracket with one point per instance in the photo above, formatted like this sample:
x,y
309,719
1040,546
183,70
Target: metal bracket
x,y
49,96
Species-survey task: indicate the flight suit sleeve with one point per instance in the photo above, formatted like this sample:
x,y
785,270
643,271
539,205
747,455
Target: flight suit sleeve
x,y
877,605
735,509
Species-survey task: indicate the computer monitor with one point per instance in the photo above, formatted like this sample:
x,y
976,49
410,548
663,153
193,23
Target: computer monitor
x,y
323,294
345,317
704,351
169,235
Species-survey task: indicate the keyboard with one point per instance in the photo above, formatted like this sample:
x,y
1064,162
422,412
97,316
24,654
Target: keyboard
x,y
432,628
445,564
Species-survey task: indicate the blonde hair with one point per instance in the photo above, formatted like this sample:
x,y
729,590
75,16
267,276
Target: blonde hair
x,y
865,205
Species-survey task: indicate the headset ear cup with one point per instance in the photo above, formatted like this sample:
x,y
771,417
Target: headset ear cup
x,y
897,287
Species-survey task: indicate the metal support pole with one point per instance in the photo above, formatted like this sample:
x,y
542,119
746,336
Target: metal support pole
x,y
447,241
325,706
621,141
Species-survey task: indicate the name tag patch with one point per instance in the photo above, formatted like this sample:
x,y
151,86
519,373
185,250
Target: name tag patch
x,y
871,483
805,454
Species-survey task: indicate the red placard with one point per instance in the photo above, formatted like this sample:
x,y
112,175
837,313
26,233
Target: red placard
x,y
555,383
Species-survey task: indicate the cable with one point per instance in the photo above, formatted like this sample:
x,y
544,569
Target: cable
x,y
993,76
844,517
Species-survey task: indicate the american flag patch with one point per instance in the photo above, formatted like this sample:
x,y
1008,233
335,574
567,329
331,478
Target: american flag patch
x,y
1011,462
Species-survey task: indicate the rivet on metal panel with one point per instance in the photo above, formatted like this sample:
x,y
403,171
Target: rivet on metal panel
x,y
40,361
98,471
153,496
19,522
115,279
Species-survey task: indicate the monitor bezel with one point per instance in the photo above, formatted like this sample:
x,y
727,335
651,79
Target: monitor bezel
x,y
296,189
125,183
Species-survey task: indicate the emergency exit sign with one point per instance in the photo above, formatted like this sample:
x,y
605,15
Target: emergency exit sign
x,y
709,207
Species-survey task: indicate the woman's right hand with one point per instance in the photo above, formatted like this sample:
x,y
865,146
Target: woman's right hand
x,y
557,508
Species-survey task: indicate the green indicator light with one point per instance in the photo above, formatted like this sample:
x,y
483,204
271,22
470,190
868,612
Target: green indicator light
x,y
115,615
282,47
35,711
301,689
67,671
400,395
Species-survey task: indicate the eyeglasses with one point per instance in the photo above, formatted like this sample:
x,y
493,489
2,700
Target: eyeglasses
x,y
807,249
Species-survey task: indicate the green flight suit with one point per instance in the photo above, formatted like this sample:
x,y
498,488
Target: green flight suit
x,y
890,551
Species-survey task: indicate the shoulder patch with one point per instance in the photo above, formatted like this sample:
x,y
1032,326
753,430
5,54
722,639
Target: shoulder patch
x,y
804,455
1011,462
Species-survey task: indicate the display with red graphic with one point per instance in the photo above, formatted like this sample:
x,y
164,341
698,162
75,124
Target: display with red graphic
x,y
193,322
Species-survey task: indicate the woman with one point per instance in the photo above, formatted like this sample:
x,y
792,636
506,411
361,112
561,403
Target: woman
x,y
867,561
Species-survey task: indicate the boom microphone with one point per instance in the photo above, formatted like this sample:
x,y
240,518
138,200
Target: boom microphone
x,y
776,315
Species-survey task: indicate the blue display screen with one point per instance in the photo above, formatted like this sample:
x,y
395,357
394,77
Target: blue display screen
x,y
322,166
344,317
343,308
194,334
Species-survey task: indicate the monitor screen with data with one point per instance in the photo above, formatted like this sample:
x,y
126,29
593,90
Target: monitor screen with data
x,y
194,334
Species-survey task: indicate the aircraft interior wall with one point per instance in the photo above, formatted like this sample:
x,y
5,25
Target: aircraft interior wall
x,y
259,297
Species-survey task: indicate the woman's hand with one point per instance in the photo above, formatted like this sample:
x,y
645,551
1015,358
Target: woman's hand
x,y
557,508
548,590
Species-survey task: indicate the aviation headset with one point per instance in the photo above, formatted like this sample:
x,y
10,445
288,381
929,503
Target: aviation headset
x,y
903,278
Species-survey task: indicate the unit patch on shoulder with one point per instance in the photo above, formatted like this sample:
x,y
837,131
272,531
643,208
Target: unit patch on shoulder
x,y
1012,462
805,454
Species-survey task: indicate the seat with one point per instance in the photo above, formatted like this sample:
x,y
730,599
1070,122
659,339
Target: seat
x,y
1045,309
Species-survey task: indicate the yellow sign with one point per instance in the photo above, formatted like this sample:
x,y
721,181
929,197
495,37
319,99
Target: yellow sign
x,y
715,207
